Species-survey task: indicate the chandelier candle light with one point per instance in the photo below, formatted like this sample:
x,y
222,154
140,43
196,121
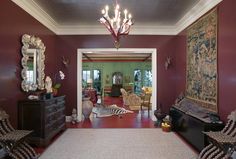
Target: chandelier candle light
x,y
116,25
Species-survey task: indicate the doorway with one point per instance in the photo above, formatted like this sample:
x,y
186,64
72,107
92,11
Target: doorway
x,y
151,51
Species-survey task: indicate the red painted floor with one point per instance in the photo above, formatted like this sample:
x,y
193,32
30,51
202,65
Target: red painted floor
x,y
113,100
134,120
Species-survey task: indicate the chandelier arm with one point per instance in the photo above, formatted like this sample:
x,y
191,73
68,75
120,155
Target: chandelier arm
x,y
110,28
105,24
126,31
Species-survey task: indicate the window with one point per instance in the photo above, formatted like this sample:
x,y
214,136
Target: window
x,y
86,76
147,79
142,78
137,81
95,75
97,84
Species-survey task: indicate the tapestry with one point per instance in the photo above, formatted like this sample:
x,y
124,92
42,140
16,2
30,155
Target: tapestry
x,y
201,80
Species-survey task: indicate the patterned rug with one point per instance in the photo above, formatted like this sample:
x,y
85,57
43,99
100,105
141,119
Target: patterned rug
x,y
118,144
104,111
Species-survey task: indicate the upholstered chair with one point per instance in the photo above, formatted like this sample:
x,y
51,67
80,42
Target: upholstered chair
x,y
130,99
146,101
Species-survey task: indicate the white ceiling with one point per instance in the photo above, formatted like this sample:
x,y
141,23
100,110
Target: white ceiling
x,y
152,17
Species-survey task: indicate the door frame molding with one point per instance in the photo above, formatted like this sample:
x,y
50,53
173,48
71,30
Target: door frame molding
x,y
152,51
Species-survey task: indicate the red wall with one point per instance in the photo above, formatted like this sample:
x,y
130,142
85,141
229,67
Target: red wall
x,y
226,58
14,23
180,63
68,45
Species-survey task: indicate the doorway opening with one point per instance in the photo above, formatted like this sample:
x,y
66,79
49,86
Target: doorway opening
x,y
151,51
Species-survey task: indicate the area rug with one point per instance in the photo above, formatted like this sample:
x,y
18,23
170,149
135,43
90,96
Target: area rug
x,y
104,111
118,144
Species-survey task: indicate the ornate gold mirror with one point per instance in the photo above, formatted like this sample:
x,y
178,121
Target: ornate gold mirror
x,y
33,63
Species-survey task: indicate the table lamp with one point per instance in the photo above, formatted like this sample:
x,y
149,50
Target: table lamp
x,y
90,82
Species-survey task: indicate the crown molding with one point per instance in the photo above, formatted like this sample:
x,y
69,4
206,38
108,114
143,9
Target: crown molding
x,y
100,30
153,30
202,7
81,30
38,13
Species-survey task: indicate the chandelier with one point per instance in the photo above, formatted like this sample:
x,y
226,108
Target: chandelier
x,y
117,25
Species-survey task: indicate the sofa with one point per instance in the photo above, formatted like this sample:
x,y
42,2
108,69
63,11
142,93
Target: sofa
x,y
190,120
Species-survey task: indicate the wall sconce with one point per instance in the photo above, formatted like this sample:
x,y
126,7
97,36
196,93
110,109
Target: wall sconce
x,y
167,62
65,61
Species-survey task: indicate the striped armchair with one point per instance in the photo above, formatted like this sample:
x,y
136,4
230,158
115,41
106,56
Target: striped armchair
x,y
222,143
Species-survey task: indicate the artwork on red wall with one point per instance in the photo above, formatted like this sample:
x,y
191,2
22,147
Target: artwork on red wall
x,y
201,84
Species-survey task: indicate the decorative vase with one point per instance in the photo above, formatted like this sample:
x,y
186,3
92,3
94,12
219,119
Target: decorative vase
x,y
87,107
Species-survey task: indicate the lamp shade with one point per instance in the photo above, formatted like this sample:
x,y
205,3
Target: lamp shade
x,y
89,80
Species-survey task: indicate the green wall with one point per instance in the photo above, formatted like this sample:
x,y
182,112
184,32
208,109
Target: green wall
x,y
108,68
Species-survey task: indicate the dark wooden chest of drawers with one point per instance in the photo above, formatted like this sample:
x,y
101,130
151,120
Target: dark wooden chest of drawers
x,y
45,117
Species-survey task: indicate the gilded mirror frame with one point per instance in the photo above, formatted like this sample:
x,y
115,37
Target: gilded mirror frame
x,y
30,43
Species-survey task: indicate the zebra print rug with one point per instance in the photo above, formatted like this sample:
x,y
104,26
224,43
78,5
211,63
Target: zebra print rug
x,y
104,111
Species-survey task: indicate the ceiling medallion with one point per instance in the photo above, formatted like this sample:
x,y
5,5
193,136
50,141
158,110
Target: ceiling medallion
x,y
117,25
